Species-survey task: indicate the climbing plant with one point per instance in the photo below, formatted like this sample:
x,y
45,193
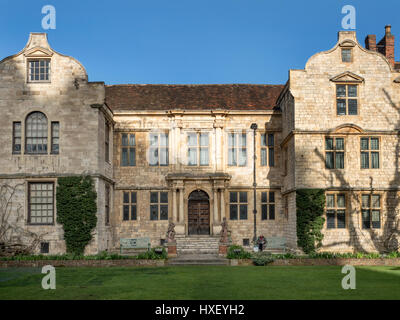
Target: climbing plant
x,y
310,205
76,211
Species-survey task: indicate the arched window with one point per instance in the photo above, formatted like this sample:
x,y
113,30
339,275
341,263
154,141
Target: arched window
x,y
36,133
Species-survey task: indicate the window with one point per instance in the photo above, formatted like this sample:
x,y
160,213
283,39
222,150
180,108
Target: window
x,y
158,152
346,55
55,136
128,152
237,151
16,138
36,133
369,153
198,149
129,211
371,211
107,142
158,205
238,205
285,161
44,247
346,99
246,242
268,205
335,211
107,204
334,153
41,202
39,70
267,149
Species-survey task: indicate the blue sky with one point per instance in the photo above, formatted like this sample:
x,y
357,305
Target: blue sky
x,y
186,41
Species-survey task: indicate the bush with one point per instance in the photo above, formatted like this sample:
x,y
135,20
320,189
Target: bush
x,y
153,255
262,258
76,211
310,205
238,252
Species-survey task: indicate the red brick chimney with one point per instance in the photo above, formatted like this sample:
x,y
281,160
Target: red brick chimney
x,y
386,45
370,42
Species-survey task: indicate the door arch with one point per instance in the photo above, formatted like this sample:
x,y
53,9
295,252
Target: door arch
x,y
198,213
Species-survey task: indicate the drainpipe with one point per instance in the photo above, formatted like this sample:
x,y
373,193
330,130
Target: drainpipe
x,y
254,128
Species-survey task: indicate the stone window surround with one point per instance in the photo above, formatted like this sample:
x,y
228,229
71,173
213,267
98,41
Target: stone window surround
x,y
351,54
129,204
346,97
334,137
381,195
335,208
267,147
168,147
268,203
370,150
27,202
31,59
49,134
237,133
198,132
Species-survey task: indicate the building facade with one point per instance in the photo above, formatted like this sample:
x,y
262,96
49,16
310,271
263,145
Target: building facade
x,y
184,153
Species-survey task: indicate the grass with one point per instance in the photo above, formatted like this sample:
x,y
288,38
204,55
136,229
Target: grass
x,y
199,282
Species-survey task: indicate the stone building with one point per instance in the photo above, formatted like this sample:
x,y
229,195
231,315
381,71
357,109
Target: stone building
x,y
185,152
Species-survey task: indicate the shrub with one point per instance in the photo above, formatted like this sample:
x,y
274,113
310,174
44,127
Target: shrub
x,y
76,211
238,252
262,258
152,255
310,205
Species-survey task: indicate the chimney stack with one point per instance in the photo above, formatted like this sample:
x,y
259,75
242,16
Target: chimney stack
x,y
385,46
370,42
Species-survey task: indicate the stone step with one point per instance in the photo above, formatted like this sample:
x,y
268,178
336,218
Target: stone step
x,y
196,251
198,259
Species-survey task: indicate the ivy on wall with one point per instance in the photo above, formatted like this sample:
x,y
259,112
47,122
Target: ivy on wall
x,y
76,211
310,204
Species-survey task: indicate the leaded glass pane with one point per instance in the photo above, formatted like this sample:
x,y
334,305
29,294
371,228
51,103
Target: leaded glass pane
x,y
264,197
376,201
341,219
365,201
264,212
204,156
153,197
271,157
366,219
164,139
204,139
125,214
264,140
132,156
132,140
133,197
232,157
328,143
133,212
233,197
243,196
341,200
163,156
272,212
243,212
242,157
36,133
364,143
242,140
233,212
231,140
339,160
263,156
330,200
374,144
124,157
163,197
192,156
352,91
341,91
329,162
192,139
271,196
376,219
153,156
330,221
364,160
163,212
374,160
126,197
352,106
341,106
339,144
153,212
124,139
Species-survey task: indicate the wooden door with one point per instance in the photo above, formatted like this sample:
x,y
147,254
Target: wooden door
x,y
199,217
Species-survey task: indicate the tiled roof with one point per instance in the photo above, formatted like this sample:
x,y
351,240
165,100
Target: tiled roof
x,y
192,97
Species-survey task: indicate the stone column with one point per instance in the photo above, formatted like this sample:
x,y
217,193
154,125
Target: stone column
x,y
218,149
215,206
222,205
181,213
174,206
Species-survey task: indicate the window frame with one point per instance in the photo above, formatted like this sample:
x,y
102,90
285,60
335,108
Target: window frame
x,y
335,210
28,73
371,208
198,148
238,204
369,151
52,151
158,148
334,151
351,54
267,147
237,147
130,204
268,204
36,137
347,98
29,216
107,142
159,204
14,137
107,203
128,148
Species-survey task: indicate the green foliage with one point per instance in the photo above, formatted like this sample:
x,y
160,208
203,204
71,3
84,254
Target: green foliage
x,y
262,258
153,255
237,252
310,205
76,211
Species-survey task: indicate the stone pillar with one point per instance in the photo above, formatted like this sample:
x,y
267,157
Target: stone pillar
x,y
174,206
216,220
222,205
181,212
218,149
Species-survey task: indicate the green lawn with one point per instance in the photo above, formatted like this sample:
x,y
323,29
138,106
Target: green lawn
x,y
198,282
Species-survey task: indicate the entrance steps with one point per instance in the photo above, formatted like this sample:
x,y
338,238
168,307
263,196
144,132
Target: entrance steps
x,y
197,244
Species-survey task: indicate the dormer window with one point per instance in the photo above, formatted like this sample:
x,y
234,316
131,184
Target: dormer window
x,y
346,55
346,99
39,70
